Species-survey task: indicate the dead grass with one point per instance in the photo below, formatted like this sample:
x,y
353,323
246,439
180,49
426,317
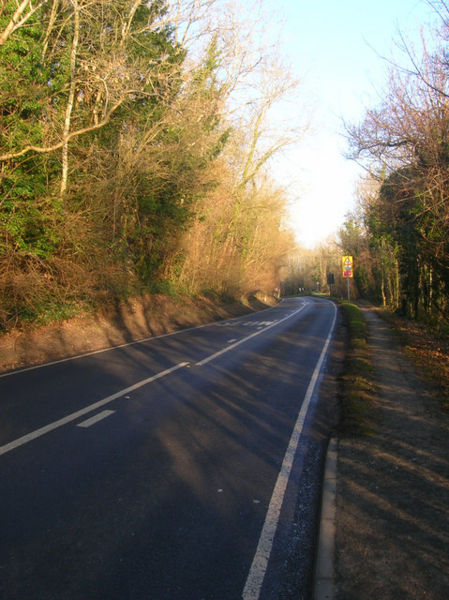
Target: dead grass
x,y
393,486
427,348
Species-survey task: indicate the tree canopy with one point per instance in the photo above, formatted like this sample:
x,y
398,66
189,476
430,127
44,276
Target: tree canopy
x,y
129,160
404,217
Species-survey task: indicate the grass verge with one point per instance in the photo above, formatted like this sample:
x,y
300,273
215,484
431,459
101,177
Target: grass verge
x,y
357,386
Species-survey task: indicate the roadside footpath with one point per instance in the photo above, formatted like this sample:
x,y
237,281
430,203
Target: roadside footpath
x,y
391,501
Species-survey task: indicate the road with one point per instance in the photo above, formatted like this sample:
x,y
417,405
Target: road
x,y
182,467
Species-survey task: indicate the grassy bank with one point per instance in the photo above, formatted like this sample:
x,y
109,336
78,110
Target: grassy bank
x,y
357,387
137,318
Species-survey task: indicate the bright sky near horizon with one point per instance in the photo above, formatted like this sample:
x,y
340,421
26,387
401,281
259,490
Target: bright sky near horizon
x,y
335,48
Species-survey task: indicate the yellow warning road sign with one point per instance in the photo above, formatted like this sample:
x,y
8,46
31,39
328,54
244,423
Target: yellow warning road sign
x,y
347,265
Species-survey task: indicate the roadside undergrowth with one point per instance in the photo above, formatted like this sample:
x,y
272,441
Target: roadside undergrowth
x,y
357,385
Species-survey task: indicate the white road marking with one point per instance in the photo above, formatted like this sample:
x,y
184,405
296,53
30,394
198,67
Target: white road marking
x,y
232,341
96,418
245,339
102,350
84,411
260,562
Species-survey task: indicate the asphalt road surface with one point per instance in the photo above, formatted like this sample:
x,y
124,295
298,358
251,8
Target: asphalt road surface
x,y
183,467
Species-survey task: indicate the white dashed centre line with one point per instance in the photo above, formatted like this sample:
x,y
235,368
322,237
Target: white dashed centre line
x,y
206,360
96,418
25,439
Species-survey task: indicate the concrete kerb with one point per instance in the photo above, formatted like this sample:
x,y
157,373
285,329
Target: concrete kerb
x,y
324,570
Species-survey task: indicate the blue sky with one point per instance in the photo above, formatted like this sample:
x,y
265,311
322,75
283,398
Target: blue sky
x,y
333,47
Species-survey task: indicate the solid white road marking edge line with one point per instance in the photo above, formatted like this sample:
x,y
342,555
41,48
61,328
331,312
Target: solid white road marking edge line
x,y
25,439
100,351
259,565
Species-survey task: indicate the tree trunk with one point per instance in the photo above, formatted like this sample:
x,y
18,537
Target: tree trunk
x,y
70,100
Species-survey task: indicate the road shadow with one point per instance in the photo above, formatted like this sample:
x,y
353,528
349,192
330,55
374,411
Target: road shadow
x,y
166,498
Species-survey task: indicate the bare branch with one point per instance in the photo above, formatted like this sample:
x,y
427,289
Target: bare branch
x,y
72,135
19,18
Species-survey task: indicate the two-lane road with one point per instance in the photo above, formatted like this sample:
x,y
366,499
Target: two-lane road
x,y
169,469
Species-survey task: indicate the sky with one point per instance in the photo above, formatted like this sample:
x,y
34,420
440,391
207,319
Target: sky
x,y
335,49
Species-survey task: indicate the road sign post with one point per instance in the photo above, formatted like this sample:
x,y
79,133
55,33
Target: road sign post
x,y
348,271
